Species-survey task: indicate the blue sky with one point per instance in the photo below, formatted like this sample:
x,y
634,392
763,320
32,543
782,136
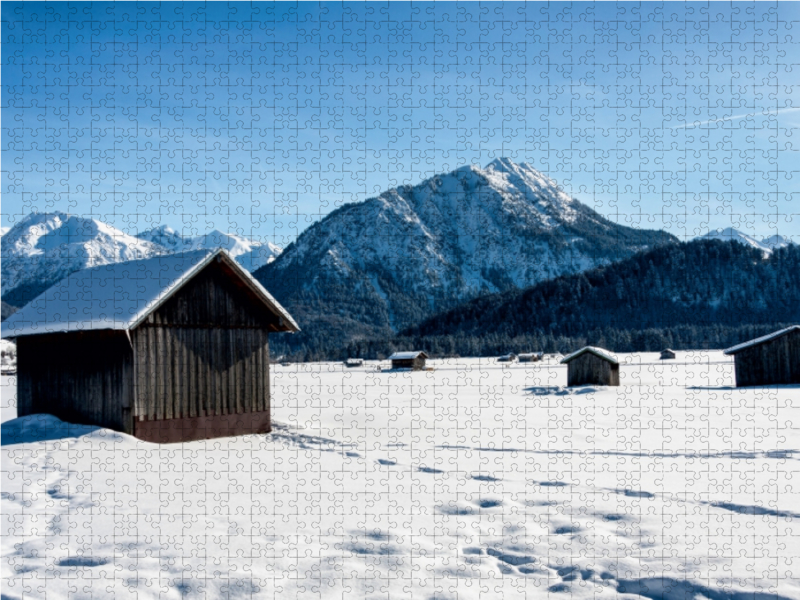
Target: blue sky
x,y
261,118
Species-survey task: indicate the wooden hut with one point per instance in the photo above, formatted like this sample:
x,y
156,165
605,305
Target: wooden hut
x,y
167,349
768,360
354,362
509,358
593,366
414,360
530,357
667,354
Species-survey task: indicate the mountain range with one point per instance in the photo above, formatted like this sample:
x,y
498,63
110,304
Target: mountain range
x,y
703,283
375,267
251,255
705,293
43,248
767,245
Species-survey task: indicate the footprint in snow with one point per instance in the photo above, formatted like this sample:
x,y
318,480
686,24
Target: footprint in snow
x,y
567,530
489,503
485,478
613,517
82,561
429,470
552,483
515,560
635,493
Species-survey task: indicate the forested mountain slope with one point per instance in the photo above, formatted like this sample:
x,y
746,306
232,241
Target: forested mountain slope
x,y
372,268
704,293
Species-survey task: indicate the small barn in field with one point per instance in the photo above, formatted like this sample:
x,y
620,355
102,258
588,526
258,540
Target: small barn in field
x,y
507,358
768,360
414,360
354,362
593,366
168,349
667,354
530,357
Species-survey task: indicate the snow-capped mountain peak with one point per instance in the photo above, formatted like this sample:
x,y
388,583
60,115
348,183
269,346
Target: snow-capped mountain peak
x,y
166,236
250,254
417,249
776,241
729,234
45,247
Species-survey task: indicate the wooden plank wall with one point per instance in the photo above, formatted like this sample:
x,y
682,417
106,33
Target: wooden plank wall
x,y
80,377
771,363
215,297
205,351
196,372
591,369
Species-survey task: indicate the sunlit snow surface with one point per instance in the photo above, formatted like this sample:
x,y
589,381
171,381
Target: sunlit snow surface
x,y
475,480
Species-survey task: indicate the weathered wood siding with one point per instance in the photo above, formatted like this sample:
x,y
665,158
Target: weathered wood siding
x,y
81,377
215,297
204,352
197,372
417,364
771,363
590,369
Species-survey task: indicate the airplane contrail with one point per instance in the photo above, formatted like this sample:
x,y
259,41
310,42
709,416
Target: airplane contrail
x,y
734,118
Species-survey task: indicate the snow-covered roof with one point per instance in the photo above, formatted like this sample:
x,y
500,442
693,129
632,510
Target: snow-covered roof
x,y
121,295
407,355
765,338
604,354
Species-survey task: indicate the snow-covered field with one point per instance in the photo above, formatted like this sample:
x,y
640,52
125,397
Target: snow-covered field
x,y
475,480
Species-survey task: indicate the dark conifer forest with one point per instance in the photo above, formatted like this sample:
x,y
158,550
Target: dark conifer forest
x,y
695,295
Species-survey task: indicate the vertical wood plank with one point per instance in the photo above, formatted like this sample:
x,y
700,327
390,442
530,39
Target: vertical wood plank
x,y
236,368
216,371
159,353
152,381
250,373
191,384
267,367
202,390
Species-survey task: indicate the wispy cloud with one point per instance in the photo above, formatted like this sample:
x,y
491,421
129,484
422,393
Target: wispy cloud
x,y
735,118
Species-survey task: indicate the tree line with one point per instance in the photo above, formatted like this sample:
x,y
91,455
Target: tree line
x,y
695,295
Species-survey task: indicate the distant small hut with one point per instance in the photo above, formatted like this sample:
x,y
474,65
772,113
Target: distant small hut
x,y
354,362
768,360
414,360
511,357
593,366
530,357
667,354
167,349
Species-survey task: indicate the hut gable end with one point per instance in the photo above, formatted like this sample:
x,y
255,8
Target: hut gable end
x,y
592,366
215,297
770,360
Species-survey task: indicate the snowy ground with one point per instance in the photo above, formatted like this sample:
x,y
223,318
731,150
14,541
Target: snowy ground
x,y
476,480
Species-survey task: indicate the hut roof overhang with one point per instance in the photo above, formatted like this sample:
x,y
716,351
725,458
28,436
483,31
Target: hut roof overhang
x,y
762,340
408,355
120,296
591,349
